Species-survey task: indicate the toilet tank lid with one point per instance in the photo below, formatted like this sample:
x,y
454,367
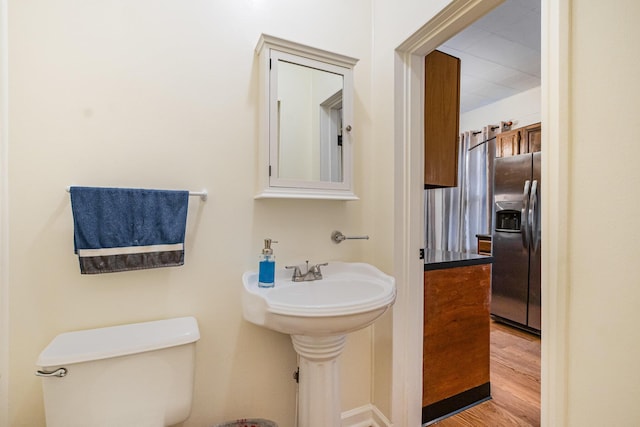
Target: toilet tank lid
x,y
103,343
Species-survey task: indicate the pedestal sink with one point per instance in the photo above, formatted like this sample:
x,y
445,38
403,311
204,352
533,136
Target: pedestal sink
x,y
318,315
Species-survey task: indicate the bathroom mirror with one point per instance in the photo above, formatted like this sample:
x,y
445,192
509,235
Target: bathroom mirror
x,y
306,122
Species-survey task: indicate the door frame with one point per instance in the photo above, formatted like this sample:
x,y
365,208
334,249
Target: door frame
x,y
406,393
4,216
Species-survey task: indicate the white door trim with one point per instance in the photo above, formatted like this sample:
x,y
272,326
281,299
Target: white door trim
x,y
4,221
556,140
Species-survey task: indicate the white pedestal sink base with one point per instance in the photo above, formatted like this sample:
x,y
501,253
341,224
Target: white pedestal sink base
x,y
319,382
318,315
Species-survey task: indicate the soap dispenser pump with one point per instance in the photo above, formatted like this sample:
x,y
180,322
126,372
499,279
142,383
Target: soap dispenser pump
x,y
266,274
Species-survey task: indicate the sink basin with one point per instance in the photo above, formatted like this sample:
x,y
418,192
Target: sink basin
x,y
350,296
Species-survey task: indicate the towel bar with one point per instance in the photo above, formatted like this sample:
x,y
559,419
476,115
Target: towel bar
x,y
338,237
202,194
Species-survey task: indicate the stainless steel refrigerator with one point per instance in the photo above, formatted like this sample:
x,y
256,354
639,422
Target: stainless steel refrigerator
x,y
515,281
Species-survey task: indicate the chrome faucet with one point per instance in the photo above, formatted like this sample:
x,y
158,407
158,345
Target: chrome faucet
x,y
313,272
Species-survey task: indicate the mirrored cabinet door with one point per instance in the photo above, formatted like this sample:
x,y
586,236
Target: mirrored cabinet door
x,y
306,122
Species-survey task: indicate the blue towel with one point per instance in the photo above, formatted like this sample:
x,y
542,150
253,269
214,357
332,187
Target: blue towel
x,y
121,229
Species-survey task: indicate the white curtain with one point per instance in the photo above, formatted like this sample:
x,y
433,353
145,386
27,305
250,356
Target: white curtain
x,y
453,216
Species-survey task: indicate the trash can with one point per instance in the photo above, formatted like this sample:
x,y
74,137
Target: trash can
x,y
248,422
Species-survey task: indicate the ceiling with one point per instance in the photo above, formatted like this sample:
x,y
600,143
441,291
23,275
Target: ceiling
x,y
499,54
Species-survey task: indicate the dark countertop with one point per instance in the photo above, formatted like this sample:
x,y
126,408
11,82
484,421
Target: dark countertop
x,y
438,260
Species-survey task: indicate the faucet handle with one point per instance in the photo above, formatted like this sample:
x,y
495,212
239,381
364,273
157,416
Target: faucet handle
x,y
296,271
316,270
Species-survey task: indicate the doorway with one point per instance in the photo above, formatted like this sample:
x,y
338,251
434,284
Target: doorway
x,y
409,228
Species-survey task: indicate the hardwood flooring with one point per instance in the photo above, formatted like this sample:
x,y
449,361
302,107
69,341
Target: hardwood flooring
x,y
515,383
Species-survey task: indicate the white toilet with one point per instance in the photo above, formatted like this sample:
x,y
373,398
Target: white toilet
x,y
136,375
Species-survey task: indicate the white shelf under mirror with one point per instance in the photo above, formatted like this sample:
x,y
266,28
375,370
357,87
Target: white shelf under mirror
x,y
306,122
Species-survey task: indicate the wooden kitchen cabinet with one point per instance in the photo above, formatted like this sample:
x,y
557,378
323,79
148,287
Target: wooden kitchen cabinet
x,y
527,139
508,143
457,294
441,120
531,138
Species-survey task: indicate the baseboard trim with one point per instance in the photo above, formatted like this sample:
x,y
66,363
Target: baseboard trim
x,y
365,416
454,404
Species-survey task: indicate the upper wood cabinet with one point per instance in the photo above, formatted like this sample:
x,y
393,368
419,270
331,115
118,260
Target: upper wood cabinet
x,y
523,140
508,143
441,120
531,138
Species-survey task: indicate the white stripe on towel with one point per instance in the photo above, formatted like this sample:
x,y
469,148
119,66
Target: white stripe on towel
x,y
130,250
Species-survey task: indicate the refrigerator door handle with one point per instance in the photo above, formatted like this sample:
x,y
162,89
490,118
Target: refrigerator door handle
x,y
533,215
524,215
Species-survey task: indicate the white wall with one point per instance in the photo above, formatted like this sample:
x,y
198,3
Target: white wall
x,y
162,94
522,109
603,177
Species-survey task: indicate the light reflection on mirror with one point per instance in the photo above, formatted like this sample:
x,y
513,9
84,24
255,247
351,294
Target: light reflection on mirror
x,y
309,123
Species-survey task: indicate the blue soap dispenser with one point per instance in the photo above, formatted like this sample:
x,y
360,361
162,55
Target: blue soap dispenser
x,y
266,273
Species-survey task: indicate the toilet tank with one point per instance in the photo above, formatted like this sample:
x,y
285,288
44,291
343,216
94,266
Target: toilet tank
x,y
134,375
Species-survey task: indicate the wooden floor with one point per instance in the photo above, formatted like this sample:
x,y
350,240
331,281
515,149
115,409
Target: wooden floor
x,y
515,383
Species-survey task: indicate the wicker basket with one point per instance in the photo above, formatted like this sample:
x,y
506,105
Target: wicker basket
x,y
248,422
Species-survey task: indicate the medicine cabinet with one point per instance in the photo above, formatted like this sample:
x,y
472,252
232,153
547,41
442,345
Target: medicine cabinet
x,y
306,122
